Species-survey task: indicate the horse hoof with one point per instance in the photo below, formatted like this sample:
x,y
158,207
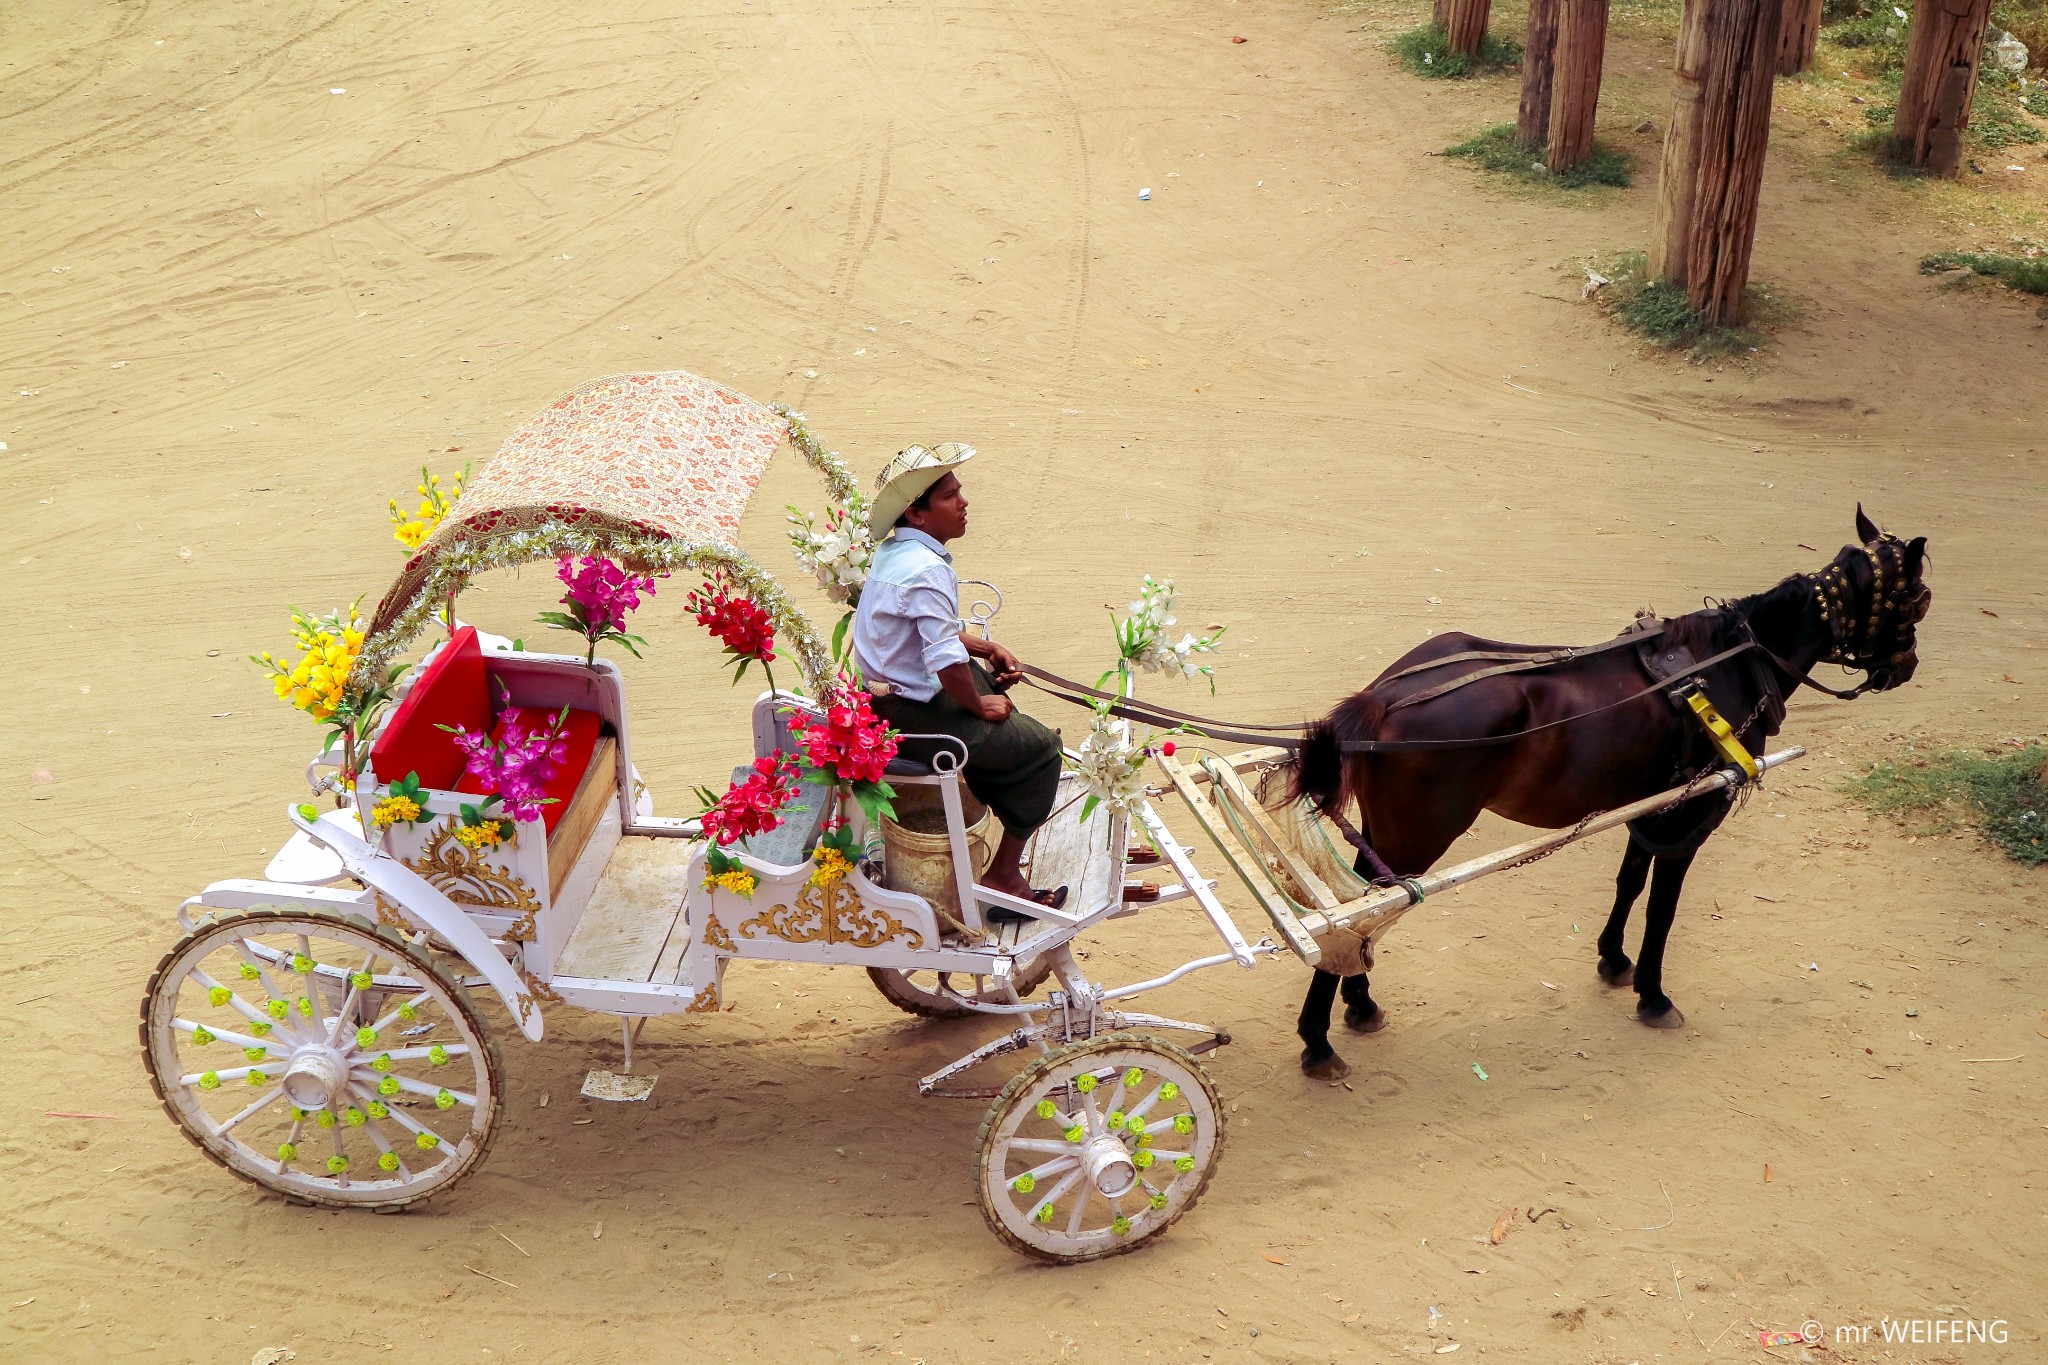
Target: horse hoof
x,y
1668,1017
1623,974
1331,1068
1365,1023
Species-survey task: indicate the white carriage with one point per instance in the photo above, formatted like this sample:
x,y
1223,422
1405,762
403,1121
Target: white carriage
x,y
314,1030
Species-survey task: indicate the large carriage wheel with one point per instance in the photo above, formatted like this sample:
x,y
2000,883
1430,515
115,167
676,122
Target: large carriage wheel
x,y
917,992
322,1057
1098,1147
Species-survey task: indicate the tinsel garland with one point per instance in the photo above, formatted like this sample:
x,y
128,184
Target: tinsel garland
x,y
464,559
839,480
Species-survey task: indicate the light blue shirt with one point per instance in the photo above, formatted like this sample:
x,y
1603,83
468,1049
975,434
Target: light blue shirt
x,y
907,627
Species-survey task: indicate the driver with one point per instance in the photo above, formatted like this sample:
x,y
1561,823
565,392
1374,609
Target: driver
x,y
929,676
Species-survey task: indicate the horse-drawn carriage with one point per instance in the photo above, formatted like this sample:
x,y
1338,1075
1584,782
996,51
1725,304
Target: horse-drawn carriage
x,y
315,1031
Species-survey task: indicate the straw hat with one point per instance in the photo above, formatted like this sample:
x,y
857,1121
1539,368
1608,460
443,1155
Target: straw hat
x,y
904,480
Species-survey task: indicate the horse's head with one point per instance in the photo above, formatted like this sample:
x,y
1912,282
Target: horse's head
x,y
1872,597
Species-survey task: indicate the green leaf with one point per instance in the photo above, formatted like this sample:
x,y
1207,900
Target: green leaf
x,y
875,799
839,636
1088,807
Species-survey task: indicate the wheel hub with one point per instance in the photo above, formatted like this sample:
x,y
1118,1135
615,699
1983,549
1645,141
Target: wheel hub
x,y
1109,1165
314,1075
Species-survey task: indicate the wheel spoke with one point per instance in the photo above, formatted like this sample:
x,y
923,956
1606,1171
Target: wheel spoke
x,y
255,1107
227,1036
1018,1144
1080,1207
348,1001
413,1087
412,1054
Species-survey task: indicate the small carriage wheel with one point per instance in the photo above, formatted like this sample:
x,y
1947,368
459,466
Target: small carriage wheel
x,y
1098,1147
917,992
321,1056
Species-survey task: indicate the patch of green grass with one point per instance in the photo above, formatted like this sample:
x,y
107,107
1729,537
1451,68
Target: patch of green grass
x,y
1426,51
1660,313
2028,273
2035,101
1497,150
2004,796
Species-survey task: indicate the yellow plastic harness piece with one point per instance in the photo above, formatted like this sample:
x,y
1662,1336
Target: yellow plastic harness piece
x,y
1721,733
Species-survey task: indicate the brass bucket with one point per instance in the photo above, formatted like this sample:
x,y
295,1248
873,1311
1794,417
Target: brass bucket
x,y
918,857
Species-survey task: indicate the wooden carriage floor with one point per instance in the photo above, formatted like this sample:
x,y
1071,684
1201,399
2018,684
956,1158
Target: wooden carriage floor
x,y
632,929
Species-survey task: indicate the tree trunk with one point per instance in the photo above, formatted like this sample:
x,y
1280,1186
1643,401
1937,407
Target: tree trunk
x,y
1440,15
1466,24
1575,94
1539,62
1714,152
1943,48
1796,40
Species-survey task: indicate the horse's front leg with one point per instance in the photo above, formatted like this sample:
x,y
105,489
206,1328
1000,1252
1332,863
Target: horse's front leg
x,y
1654,1007
1318,1059
1615,968
1362,1013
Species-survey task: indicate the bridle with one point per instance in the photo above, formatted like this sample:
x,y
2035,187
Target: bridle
x,y
1878,640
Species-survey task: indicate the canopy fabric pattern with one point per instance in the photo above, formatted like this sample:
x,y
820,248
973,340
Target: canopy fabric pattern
x,y
652,469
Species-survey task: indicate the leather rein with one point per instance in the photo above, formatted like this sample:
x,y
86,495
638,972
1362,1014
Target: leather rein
x,y
1891,603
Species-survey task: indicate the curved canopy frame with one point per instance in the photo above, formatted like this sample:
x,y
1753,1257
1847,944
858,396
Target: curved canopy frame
x,y
651,469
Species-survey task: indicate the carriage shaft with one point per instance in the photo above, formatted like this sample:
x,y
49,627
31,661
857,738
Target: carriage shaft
x,y
1376,911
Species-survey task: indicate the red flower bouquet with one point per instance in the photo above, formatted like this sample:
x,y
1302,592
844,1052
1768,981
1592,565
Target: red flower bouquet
x,y
852,744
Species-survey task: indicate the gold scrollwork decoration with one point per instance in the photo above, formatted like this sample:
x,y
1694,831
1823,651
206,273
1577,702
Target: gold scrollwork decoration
x,y
715,935
467,876
539,989
832,914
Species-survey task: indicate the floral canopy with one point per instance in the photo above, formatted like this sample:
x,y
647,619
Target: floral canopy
x,y
651,469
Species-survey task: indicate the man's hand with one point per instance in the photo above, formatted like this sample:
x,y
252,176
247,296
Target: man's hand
x,y
1007,667
995,710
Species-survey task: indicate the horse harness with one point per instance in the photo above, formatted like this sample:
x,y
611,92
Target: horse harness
x,y
1897,602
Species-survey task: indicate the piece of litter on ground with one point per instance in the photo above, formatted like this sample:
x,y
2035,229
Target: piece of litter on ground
x,y
1145,193
577,1123
1813,966
337,90
416,1030
1480,1072
273,1355
1446,1350
1269,1256
598,1231
1546,985
612,1085
73,1114
1501,1226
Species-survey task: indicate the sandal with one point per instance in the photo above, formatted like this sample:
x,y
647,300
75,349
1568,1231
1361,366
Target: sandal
x,y
1052,900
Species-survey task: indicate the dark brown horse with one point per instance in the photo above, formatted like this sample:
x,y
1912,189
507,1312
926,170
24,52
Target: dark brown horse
x,y
1404,759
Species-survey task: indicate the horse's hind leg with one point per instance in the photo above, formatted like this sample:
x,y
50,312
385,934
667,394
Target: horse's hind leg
x,y
1654,1007
1318,1059
1615,968
1362,1013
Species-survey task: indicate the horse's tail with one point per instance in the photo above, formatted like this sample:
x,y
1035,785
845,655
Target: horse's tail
x,y
1319,767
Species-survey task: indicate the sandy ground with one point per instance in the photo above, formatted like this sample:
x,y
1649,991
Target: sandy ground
x,y
260,261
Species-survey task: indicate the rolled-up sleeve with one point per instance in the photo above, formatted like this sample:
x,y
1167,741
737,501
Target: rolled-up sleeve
x,y
934,614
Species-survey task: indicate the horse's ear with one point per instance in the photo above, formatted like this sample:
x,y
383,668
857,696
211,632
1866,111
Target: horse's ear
x,y
1865,532
1916,554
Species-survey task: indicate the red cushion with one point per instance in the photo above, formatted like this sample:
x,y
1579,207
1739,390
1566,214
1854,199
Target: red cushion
x,y
453,690
579,732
